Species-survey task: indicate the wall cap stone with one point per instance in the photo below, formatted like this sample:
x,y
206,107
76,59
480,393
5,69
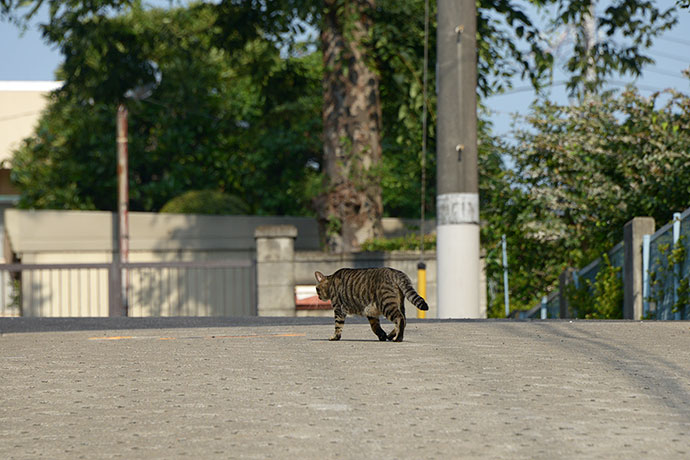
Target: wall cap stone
x,y
275,231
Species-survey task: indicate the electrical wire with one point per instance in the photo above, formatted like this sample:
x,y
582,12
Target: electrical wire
x,y
424,128
679,41
17,116
640,86
667,74
671,56
524,89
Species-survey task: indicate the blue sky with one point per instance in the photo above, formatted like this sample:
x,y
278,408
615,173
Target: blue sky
x,y
671,51
26,57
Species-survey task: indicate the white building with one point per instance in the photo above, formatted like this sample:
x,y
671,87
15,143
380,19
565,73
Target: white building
x,y
21,104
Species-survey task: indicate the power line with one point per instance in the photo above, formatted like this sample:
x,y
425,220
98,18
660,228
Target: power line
x,y
528,88
668,74
16,116
524,89
672,56
636,85
424,135
680,41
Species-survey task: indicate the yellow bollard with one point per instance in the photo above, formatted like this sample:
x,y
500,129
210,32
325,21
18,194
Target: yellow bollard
x,y
421,286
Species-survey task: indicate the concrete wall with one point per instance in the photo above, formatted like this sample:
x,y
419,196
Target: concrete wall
x,y
280,268
50,237
283,261
75,236
307,262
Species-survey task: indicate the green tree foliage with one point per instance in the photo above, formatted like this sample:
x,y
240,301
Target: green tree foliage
x,y
625,29
504,209
398,43
666,280
581,172
608,293
209,124
105,57
510,43
255,132
205,202
601,300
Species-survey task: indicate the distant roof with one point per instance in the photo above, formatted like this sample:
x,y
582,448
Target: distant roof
x,y
16,85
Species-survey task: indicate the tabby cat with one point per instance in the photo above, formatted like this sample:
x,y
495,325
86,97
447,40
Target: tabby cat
x,y
369,292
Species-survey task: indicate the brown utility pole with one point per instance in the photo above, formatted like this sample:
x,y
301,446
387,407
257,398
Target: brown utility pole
x,y
122,207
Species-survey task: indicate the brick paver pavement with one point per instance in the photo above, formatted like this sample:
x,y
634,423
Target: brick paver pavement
x,y
278,389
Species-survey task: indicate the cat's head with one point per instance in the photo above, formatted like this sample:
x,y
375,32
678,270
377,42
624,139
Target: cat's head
x,y
323,288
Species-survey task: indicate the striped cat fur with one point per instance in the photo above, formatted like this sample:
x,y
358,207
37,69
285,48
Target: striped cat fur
x,y
369,292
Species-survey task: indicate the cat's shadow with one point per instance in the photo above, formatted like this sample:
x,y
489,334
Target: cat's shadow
x,y
350,340
343,340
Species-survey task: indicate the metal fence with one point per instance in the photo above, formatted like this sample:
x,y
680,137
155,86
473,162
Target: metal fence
x,y
587,276
666,270
550,307
199,288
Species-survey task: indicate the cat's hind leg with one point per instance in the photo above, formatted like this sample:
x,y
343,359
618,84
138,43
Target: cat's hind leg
x,y
376,327
396,335
393,309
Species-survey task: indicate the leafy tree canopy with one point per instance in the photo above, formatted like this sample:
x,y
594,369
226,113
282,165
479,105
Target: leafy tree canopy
x,y
581,172
205,202
208,124
511,40
238,109
106,55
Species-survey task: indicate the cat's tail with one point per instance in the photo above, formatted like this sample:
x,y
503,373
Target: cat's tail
x,y
408,291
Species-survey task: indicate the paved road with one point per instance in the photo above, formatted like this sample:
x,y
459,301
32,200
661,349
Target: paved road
x,y
262,388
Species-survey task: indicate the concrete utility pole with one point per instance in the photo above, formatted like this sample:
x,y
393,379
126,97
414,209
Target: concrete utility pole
x,y
457,202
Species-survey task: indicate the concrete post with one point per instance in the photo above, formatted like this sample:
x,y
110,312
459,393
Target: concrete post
x,y
633,287
275,253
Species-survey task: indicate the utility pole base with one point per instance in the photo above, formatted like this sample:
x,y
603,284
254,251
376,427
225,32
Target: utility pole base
x,y
458,270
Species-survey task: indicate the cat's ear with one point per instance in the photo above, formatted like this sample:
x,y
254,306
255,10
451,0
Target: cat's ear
x,y
319,276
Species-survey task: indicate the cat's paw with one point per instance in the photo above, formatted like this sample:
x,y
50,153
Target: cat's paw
x,y
334,337
395,336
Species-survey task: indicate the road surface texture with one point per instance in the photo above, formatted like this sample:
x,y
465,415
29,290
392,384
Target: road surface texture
x,y
277,388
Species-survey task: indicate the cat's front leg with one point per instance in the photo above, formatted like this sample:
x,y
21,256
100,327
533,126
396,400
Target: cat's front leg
x,y
339,322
